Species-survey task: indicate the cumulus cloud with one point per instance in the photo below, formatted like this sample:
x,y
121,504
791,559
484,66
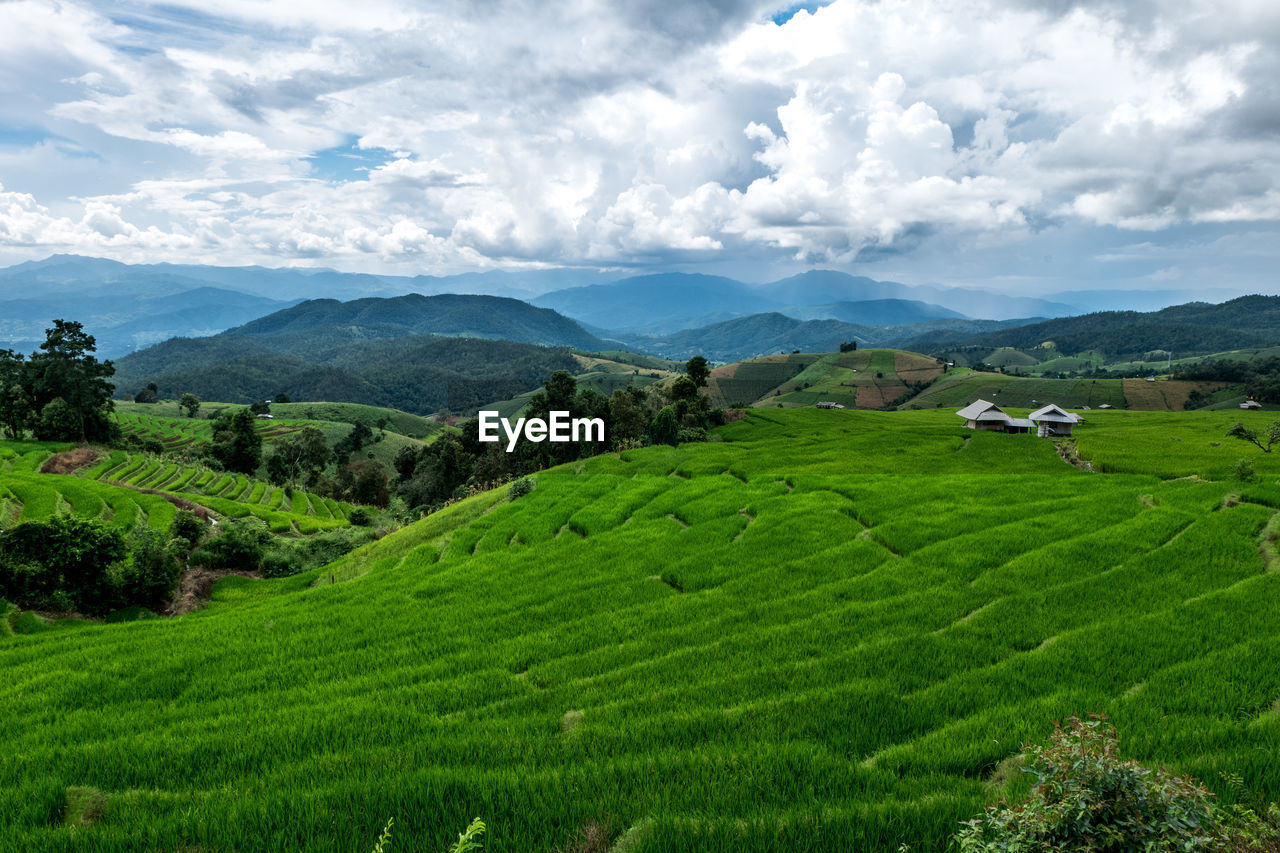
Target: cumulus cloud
x,y
505,132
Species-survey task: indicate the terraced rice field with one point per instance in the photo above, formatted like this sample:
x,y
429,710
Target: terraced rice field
x,y
869,378
960,387
232,495
177,433
824,631
27,495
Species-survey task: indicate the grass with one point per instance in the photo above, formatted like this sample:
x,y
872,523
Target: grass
x,y
164,422
868,378
110,490
600,374
823,630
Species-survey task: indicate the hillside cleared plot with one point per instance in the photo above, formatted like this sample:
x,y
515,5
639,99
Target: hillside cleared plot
x,y
823,632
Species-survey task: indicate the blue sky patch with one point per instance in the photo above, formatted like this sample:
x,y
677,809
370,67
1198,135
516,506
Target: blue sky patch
x,y
347,162
788,13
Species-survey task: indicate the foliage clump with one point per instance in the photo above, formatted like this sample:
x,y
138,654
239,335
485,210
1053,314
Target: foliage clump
x,y
1087,798
520,488
69,563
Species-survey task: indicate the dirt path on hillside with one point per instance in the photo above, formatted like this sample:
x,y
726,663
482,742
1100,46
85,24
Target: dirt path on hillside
x,y
195,587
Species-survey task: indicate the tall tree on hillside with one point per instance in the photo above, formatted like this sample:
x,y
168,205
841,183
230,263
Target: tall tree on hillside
x,y
236,443
304,452
66,369
190,404
698,370
16,412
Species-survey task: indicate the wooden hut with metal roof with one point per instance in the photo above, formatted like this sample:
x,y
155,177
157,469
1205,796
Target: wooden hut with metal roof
x,y
1053,420
981,414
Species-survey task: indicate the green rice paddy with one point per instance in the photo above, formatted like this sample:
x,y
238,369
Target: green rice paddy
x,y
824,630
126,489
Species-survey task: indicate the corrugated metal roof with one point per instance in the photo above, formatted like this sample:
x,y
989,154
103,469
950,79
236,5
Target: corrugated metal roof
x,y
1053,414
977,407
993,415
1022,422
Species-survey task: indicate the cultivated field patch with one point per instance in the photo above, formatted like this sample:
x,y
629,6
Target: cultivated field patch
x,y
858,618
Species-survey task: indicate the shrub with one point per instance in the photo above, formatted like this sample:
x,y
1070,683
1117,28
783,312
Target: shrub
x,y
64,559
280,565
520,488
149,578
360,516
1086,798
1243,470
241,545
189,526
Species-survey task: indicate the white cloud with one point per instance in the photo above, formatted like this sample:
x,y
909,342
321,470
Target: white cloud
x,y
506,133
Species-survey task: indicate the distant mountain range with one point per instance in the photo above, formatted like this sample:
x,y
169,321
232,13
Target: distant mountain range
x,y
770,333
127,307
416,353
1193,328
671,302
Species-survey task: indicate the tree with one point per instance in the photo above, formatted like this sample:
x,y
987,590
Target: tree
x,y
629,418
303,452
365,482
150,394
66,368
1243,433
283,398
16,411
236,443
351,443
59,422
190,404
260,407
66,558
665,428
848,346
698,370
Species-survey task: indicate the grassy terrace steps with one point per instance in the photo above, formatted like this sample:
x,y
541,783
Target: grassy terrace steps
x,y
232,495
114,490
961,386
166,423
823,631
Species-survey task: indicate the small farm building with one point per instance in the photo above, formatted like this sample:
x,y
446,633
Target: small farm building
x,y
1052,420
1251,404
828,404
266,417
983,415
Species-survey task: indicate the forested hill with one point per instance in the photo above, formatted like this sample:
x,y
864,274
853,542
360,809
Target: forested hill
x,y
1196,327
447,315
416,373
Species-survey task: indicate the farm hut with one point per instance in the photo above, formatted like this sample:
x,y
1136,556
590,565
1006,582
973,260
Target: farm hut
x,y
1251,404
828,404
266,417
983,415
1052,420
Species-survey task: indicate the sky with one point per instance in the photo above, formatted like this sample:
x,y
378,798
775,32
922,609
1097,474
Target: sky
x,y
1032,147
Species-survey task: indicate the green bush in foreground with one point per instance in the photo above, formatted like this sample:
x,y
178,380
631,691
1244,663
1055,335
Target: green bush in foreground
x,y
1087,799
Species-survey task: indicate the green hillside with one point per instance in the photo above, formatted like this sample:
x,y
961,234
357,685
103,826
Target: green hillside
x,y
1193,328
601,372
164,422
414,373
865,378
818,631
961,386
126,489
